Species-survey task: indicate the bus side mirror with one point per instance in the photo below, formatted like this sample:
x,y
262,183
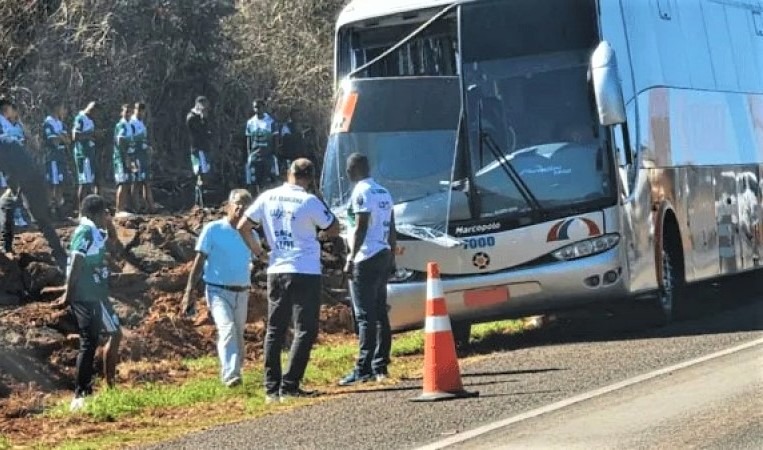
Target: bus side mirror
x,y
606,86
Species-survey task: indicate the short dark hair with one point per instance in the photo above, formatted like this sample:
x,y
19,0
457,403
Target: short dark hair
x,y
201,99
92,205
303,169
358,161
6,101
140,106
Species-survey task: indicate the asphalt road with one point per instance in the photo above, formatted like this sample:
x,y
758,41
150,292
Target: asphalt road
x,y
714,405
580,353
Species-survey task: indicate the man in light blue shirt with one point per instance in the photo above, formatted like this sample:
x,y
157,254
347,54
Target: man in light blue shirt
x,y
224,260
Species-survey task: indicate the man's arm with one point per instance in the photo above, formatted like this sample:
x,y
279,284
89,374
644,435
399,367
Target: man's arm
x,y
193,279
392,238
359,236
73,276
246,229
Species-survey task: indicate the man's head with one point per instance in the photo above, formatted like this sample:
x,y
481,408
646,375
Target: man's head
x,y
238,201
59,110
6,107
301,173
14,117
358,167
140,110
202,104
94,208
126,111
259,107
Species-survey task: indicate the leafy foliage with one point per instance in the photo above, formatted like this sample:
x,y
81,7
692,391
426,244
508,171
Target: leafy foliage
x,y
166,53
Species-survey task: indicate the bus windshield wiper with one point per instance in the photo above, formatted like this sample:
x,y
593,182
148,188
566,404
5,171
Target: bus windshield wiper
x,y
486,140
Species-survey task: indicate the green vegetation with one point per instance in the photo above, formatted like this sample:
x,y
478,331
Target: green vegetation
x,y
328,363
156,411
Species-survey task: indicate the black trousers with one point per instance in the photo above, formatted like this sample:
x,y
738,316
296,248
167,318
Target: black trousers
x,y
298,297
89,322
7,206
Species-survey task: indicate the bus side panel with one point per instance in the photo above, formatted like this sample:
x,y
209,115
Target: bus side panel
x,y
702,260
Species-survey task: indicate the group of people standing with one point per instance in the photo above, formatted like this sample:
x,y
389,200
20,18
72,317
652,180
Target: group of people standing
x,y
271,146
293,221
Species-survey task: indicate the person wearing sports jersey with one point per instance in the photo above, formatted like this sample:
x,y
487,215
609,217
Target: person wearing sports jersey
x,y
23,173
261,131
87,295
291,218
15,129
85,155
123,157
143,157
369,264
55,139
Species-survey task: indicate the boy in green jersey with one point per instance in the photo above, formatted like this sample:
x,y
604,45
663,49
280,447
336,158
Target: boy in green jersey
x,y
87,294
85,157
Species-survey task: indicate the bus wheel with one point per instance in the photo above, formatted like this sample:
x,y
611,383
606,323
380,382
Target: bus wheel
x,y
462,331
671,299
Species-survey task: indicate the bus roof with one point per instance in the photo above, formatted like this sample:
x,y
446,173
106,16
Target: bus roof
x,y
359,10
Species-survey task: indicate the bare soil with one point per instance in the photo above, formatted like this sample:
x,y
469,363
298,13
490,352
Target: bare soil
x,y
38,338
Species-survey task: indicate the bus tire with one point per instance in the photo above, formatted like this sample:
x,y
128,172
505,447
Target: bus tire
x,y
462,331
671,295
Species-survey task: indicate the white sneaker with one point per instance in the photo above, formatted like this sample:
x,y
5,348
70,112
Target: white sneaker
x,y
78,403
381,377
270,399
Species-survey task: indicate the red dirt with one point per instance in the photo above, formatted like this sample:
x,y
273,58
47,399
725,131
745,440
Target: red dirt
x,y
35,332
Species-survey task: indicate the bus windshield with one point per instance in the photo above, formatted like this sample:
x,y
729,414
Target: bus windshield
x,y
527,93
408,138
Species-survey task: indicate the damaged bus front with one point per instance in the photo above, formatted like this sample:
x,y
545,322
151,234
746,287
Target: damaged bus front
x,y
481,119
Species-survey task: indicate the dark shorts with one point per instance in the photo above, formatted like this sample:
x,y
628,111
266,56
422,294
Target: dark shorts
x,y
199,162
126,167
86,165
55,168
143,162
98,316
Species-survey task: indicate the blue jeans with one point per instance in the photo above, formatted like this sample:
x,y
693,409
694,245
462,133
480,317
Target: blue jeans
x,y
369,299
229,310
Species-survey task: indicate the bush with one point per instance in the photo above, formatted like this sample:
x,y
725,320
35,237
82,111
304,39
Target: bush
x,y
166,52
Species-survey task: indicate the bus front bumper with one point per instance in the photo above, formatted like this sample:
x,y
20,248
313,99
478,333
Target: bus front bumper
x,y
513,293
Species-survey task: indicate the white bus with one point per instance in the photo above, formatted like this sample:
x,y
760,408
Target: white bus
x,y
582,150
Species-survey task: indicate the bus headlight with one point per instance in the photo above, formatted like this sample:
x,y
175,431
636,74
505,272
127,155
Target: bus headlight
x,y
401,275
588,247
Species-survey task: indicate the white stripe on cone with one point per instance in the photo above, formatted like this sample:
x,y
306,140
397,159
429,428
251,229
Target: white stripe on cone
x,y
436,324
434,289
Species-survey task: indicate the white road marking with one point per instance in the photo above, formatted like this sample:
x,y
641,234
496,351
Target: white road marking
x,y
467,435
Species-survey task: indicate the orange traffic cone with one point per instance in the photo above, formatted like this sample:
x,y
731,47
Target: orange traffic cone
x,y
442,376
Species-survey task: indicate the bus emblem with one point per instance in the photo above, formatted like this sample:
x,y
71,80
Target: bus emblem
x,y
561,231
481,260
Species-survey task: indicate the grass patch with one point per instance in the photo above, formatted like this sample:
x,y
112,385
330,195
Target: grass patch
x,y
5,443
155,411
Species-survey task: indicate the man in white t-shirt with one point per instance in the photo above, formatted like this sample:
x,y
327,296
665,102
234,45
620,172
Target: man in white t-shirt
x,y
291,218
368,265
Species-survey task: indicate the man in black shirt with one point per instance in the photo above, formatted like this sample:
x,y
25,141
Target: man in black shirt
x,y
200,135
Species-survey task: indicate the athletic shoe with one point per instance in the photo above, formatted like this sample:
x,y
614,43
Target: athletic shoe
x,y
354,378
270,399
297,393
78,403
381,377
233,382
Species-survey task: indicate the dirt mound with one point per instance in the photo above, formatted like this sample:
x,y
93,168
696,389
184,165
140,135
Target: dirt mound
x,y
39,334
